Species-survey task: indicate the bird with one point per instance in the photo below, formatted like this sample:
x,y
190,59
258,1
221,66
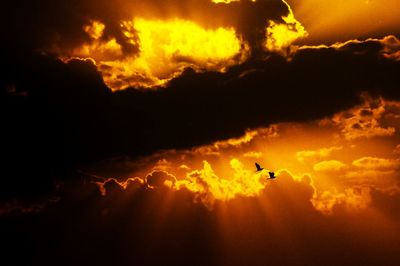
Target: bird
x,y
259,168
271,175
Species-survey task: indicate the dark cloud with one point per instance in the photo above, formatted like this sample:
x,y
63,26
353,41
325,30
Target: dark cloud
x,y
46,26
69,118
58,117
153,226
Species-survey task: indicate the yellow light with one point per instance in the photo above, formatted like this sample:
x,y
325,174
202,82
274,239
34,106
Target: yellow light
x,y
338,171
280,36
212,187
167,47
95,29
337,21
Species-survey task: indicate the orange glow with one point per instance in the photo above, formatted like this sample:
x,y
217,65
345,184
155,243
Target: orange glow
x,y
332,21
224,1
341,171
280,36
227,1
209,186
390,46
166,49
97,49
95,30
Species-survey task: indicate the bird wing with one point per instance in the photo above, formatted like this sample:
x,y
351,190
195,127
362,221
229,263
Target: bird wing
x,y
271,175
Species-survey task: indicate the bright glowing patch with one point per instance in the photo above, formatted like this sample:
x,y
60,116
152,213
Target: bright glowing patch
x,y
166,49
224,1
95,30
280,36
227,1
339,171
333,21
210,186
151,52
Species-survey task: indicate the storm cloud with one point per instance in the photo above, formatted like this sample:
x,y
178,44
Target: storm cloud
x,y
62,125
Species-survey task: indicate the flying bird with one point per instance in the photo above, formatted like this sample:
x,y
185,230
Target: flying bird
x,y
259,169
271,175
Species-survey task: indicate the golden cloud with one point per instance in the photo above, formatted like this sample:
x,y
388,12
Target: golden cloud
x,y
397,150
167,45
366,122
390,46
303,156
281,36
332,21
329,166
374,163
223,171
253,154
352,199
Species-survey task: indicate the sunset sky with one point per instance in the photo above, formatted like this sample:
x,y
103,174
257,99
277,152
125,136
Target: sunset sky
x,y
131,130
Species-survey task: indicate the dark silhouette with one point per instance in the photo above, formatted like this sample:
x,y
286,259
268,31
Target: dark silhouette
x,y
259,168
271,174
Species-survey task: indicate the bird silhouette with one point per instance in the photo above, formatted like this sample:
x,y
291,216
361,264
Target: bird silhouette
x,y
259,168
271,175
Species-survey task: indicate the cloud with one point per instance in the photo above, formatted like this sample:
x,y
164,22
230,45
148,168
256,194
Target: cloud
x,y
329,166
168,45
17,207
139,44
378,172
194,110
332,22
397,149
182,203
373,163
351,199
281,36
164,46
282,220
365,122
224,170
392,47
253,154
303,156
172,180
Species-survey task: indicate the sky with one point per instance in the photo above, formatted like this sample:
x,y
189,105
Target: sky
x,y
131,129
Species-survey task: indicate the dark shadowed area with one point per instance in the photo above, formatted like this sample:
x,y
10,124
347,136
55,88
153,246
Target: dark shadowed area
x,y
59,117
149,227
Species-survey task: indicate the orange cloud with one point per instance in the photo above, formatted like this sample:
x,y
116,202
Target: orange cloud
x,y
350,168
390,46
397,150
367,121
166,48
253,154
303,156
150,50
281,36
224,1
352,199
329,166
332,21
376,163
